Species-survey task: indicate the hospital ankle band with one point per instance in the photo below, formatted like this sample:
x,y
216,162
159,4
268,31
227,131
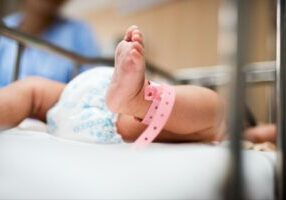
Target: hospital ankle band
x,y
152,93
163,97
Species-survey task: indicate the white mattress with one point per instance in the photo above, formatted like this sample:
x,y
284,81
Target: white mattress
x,y
35,165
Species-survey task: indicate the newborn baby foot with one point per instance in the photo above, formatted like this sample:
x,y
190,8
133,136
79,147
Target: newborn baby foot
x,y
129,75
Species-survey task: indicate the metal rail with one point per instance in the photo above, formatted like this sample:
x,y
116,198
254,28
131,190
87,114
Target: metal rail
x,y
281,97
233,27
260,72
236,187
20,49
30,41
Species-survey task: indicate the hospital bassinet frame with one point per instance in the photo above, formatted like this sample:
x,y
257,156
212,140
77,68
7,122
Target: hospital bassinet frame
x,y
236,58
79,60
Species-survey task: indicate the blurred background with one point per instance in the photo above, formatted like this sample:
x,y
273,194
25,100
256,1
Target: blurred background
x,y
179,34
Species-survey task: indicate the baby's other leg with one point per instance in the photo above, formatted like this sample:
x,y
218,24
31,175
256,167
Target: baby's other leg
x,y
31,97
262,133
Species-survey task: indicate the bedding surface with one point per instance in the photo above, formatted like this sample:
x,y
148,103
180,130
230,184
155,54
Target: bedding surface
x,y
35,165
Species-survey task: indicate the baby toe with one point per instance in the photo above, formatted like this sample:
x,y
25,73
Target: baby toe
x,y
137,36
135,53
128,34
138,47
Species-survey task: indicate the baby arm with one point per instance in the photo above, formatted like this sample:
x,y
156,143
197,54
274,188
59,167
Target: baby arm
x,y
31,97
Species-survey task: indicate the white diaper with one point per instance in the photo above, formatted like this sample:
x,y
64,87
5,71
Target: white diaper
x,y
82,113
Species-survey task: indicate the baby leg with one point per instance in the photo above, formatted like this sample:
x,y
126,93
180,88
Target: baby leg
x,y
262,133
31,97
197,113
131,129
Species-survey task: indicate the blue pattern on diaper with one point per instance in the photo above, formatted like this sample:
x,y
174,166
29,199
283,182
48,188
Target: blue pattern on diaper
x,y
82,110
52,125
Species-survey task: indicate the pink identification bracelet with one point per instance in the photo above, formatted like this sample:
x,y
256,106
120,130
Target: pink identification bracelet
x,y
163,100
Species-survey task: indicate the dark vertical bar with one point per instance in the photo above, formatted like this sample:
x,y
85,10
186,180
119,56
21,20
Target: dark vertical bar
x,y
76,70
235,190
281,96
272,104
250,118
16,72
233,22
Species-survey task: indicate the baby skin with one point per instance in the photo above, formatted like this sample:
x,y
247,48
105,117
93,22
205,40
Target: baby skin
x,y
197,115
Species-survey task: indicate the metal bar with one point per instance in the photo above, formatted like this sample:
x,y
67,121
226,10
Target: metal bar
x,y
236,188
271,96
16,72
281,96
260,72
153,69
233,27
76,70
31,41
250,118
272,106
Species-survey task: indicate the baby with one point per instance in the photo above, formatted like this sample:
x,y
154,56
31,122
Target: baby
x,y
101,105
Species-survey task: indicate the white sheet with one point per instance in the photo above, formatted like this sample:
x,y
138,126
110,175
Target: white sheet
x,y
35,165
